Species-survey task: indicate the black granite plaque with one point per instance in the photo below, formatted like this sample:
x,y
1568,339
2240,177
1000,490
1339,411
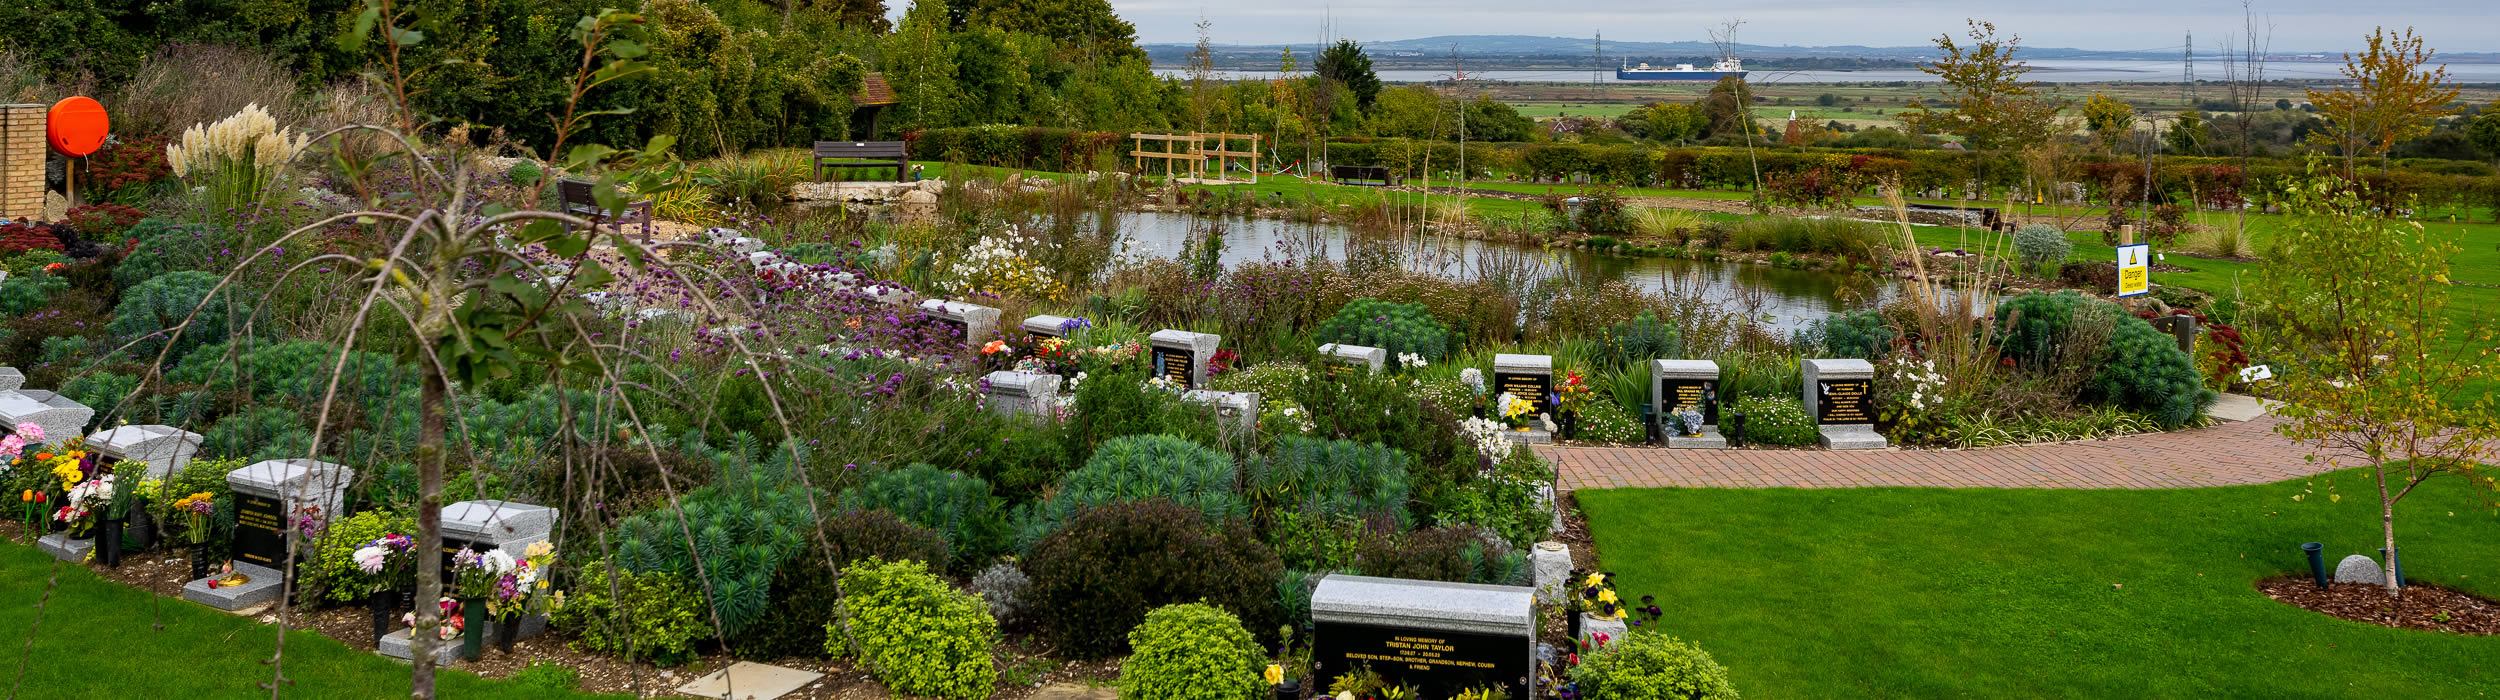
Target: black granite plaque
x,y
1844,402
1174,365
1441,663
1536,388
1700,394
260,531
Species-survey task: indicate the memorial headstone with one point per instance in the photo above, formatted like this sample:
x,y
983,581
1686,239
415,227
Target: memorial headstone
x,y
1840,395
1181,356
1052,326
484,526
1552,564
60,417
1018,393
1681,384
974,324
2181,327
268,496
1238,410
164,448
1529,377
1344,358
1442,637
10,378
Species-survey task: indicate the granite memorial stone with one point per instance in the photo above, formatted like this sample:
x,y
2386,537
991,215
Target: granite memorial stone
x,y
1344,358
1529,377
1442,637
268,497
1686,384
1840,395
1181,356
60,418
974,324
1236,410
1018,393
10,378
164,448
2360,568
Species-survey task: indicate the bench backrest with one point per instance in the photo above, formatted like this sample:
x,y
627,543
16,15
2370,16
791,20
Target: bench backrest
x,y
862,149
571,192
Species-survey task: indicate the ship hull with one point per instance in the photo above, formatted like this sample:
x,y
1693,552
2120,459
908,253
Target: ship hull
x,y
1676,74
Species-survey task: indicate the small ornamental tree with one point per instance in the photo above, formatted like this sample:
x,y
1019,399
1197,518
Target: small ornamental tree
x,y
2368,360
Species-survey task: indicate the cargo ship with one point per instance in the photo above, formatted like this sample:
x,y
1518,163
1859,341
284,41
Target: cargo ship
x,y
1683,71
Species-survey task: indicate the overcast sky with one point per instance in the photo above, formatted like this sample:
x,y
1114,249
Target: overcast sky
x,y
2298,25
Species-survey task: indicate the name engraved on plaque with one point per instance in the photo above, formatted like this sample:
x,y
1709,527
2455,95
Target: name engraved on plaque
x,y
1844,402
1174,365
260,530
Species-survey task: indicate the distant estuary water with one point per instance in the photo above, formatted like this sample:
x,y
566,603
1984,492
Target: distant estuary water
x,y
2048,71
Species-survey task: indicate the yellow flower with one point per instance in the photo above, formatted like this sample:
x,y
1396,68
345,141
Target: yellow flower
x,y
1596,580
1275,674
1606,596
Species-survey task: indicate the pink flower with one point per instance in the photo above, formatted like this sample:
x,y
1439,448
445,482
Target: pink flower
x,y
33,432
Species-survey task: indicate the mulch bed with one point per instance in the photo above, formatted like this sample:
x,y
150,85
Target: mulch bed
x,y
2422,607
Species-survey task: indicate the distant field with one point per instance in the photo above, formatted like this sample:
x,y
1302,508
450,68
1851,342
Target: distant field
x,y
1548,110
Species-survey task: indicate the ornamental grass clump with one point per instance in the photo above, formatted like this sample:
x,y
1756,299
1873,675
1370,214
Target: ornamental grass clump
x,y
1192,651
238,158
914,632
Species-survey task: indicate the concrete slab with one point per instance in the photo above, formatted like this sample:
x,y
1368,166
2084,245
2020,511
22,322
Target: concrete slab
x,y
2241,407
1709,439
748,680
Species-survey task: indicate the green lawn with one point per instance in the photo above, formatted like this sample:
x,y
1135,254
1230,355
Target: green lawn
x,y
97,640
1812,593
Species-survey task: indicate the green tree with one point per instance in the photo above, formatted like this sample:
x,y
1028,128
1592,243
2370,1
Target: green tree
x,y
2368,360
2393,99
2108,119
1088,28
2187,133
1662,121
919,64
1489,119
1993,106
1726,108
1346,65
2485,130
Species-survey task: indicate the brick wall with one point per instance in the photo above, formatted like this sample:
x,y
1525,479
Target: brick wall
x,y
22,154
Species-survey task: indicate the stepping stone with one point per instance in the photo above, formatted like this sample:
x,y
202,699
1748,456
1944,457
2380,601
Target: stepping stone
x,y
1072,691
748,680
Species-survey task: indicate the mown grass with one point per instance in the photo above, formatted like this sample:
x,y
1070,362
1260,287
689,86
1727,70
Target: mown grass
x,y
1896,592
98,639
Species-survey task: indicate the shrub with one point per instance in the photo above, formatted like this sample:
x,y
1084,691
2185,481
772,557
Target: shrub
x,y
1097,578
107,224
1509,499
1651,667
164,246
743,528
1109,406
1192,651
1607,421
2147,371
163,302
1002,587
1316,476
264,432
22,236
956,505
333,574
1138,468
1865,335
23,293
1633,343
1456,554
1776,420
2042,244
659,614
1397,328
804,596
862,534
916,634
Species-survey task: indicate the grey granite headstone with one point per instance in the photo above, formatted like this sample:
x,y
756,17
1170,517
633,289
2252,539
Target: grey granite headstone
x,y
1237,409
1356,356
60,418
1019,393
268,495
1528,377
504,525
1445,637
10,378
1049,325
1691,384
1530,436
396,644
1839,395
2360,569
1181,356
61,547
164,448
977,323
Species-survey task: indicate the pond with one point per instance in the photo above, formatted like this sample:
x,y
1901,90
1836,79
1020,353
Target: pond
x,y
1786,298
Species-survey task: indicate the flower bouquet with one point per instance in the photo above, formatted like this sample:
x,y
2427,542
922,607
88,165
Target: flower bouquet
x,y
1516,412
451,625
195,510
1686,421
476,576
83,503
522,591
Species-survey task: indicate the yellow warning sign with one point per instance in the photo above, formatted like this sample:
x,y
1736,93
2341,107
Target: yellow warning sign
x,y
2135,269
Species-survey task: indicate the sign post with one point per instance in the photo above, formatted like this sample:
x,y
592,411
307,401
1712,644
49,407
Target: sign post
x,y
2135,269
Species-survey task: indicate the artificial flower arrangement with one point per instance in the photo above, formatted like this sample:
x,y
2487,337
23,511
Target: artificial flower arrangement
x,y
526,588
1596,596
1516,412
451,625
388,559
1573,394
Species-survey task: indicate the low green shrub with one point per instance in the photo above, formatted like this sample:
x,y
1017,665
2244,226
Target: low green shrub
x,y
1651,666
332,573
1397,328
1455,554
1607,421
862,534
956,505
1096,579
1507,500
23,293
1138,468
1630,345
916,634
658,614
2042,245
742,528
2147,371
1864,335
162,303
1317,476
1110,405
548,675
804,595
1192,651
1776,420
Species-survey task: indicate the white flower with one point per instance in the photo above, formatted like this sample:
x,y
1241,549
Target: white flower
x,y
1408,359
498,562
370,559
1473,378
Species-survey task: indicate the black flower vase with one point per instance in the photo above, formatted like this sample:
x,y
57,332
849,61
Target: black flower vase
x,y
108,542
1571,425
505,632
408,598
384,604
473,628
140,533
199,560
1571,625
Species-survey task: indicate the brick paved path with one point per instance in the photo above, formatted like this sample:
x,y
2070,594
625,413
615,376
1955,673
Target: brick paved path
x,y
2231,453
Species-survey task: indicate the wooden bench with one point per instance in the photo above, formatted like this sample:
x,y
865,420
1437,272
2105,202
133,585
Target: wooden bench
x,y
1373,175
576,199
866,154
